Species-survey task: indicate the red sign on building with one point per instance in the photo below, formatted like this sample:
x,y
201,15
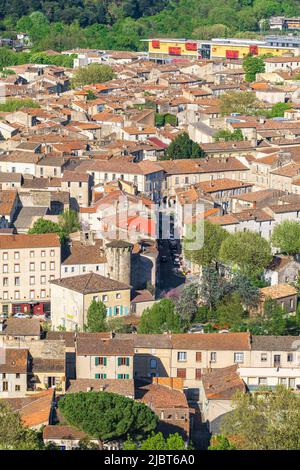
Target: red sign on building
x,y
232,54
175,50
253,50
191,46
155,44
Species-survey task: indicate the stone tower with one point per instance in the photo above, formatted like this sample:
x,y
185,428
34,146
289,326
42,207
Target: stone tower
x,y
118,256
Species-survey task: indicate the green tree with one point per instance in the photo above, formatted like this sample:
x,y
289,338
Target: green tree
x,y
278,110
161,317
245,287
253,65
183,147
13,435
45,226
220,442
211,236
69,222
157,442
239,102
274,318
227,136
247,250
230,311
210,289
265,421
286,237
96,317
107,416
187,304
93,73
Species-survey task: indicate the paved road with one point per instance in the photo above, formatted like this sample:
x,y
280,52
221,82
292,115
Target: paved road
x,y
169,278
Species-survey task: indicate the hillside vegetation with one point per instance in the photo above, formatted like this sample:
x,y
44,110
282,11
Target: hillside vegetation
x,y
64,24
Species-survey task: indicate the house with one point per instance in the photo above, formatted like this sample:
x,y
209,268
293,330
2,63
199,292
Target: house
x,y
141,300
169,404
123,387
99,357
36,410
218,387
20,329
284,294
282,269
65,437
78,185
29,263
72,296
14,367
81,257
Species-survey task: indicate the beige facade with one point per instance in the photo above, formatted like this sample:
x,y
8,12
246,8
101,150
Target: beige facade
x,y
104,367
69,304
28,264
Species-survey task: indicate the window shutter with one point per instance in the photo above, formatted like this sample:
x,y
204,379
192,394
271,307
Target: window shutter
x,y
96,361
104,361
119,376
119,361
127,361
127,376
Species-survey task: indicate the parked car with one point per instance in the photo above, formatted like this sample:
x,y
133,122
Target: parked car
x,y
197,328
21,315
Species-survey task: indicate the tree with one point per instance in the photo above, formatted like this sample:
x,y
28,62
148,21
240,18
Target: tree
x,y
245,288
274,318
96,316
187,304
230,311
107,416
44,226
265,421
69,222
13,435
161,317
227,136
253,65
220,442
210,288
91,74
183,147
286,237
239,102
212,236
157,442
278,110
247,250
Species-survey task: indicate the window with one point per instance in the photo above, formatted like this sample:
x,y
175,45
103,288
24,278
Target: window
x,y
43,293
153,363
118,295
198,356
52,253
83,269
5,281
17,376
17,281
263,357
52,265
32,294
32,280
276,360
291,303
5,256
238,357
198,374
262,381
31,254
123,361
5,268
43,266
290,357
123,376
292,383
17,294
66,270
43,279
100,361
43,253
17,388
17,268
5,386
5,296
100,376
17,255
181,356
31,266
181,373
213,357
